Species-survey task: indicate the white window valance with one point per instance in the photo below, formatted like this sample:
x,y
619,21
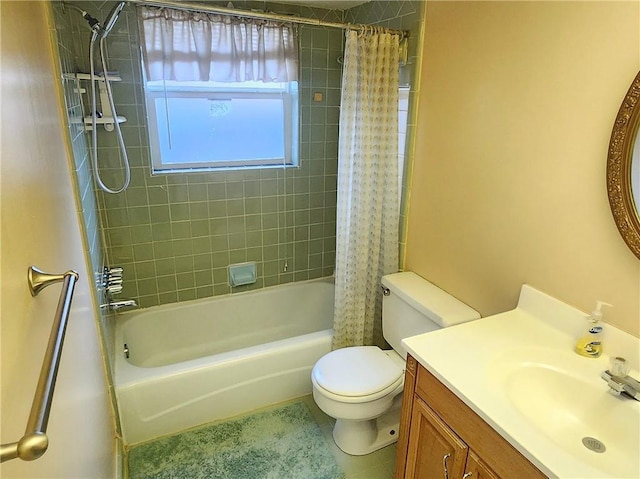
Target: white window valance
x,y
191,46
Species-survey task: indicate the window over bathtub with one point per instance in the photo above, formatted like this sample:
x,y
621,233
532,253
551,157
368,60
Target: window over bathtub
x,y
221,92
222,125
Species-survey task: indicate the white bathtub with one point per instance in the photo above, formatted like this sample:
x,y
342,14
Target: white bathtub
x,y
199,361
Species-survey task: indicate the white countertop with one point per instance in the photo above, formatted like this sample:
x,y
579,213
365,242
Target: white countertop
x,y
477,362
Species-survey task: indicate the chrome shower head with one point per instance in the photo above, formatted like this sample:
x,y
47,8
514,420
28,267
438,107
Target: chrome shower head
x,y
98,30
94,24
111,19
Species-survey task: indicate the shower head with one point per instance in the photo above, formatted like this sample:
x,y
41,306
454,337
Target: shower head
x,y
111,19
94,24
98,30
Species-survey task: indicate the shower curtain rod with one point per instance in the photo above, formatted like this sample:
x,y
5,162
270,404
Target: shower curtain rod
x,y
196,7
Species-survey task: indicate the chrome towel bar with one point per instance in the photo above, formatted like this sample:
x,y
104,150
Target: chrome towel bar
x,y
34,443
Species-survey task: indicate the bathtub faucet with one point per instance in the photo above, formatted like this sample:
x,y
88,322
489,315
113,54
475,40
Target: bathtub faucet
x,y
118,305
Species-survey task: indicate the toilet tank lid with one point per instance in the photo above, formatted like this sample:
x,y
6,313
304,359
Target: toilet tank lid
x,y
436,304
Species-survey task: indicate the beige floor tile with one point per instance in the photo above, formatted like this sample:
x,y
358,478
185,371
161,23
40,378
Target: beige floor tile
x,y
376,472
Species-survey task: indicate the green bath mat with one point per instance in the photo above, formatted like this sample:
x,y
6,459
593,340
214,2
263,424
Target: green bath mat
x,y
282,443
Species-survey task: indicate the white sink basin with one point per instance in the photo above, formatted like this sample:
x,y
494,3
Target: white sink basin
x,y
566,401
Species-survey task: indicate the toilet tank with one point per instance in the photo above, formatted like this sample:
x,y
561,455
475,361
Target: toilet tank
x,y
413,306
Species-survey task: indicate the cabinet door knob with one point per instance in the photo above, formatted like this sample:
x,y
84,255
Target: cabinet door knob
x,y
444,465
467,475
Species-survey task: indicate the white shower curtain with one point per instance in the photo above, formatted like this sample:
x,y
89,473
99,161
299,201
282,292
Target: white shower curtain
x,y
367,209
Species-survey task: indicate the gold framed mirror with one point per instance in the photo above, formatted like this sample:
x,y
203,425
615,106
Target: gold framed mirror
x,y
621,162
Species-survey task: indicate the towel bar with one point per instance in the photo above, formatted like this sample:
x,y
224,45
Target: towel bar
x,y
34,443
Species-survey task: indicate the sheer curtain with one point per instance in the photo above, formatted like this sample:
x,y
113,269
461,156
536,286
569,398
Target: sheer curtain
x,y
367,209
191,46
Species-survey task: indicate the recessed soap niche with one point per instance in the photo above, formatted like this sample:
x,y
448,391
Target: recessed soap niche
x,y
242,273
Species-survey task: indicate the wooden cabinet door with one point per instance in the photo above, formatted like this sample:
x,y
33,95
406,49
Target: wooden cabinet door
x,y
476,469
435,451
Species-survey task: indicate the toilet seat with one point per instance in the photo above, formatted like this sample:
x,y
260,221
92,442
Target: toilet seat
x,y
357,374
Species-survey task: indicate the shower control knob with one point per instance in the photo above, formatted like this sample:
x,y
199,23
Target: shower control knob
x,y
114,289
112,277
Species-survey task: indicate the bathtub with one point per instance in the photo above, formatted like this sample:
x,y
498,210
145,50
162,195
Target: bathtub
x,y
200,361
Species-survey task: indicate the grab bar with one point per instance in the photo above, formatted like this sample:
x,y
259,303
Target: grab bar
x,y
34,443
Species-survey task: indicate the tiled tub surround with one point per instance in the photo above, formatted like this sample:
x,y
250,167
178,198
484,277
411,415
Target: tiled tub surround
x,y
65,29
175,234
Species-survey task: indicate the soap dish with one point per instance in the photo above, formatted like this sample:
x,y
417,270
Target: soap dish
x,y
242,273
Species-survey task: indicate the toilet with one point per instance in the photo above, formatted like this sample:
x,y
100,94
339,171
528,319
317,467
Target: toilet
x,y
361,386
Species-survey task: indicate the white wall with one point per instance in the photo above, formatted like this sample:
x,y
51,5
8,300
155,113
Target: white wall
x,y
517,103
39,226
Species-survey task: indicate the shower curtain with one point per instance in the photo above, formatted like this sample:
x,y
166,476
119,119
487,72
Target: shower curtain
x,y
367,204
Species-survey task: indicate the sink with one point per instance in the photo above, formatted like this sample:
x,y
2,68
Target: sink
x,y
518,371
572,408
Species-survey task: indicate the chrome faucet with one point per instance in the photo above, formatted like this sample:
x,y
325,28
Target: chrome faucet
x,y
619,381
118,305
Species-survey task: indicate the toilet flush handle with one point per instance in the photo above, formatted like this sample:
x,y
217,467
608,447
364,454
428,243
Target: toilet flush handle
x,y
386,291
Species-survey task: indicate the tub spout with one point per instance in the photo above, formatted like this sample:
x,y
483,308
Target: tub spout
x,y
118,305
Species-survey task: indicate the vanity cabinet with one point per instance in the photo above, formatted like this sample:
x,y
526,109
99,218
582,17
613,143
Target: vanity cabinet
x,y
441,437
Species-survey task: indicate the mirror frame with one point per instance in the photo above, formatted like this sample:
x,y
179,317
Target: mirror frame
x,y
625,130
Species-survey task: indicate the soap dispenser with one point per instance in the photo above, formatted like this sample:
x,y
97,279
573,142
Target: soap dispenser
x,y
590,343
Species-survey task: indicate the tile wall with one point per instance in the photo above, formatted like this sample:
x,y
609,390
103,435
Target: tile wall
x,y
66,32
176,234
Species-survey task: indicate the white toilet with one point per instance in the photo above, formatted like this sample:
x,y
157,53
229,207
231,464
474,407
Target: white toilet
x,y
361,386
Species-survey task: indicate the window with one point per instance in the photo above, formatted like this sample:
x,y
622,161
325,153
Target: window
x,y
209,125
221,91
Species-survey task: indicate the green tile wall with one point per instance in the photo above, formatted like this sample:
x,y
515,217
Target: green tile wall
x,y
66,32
176,234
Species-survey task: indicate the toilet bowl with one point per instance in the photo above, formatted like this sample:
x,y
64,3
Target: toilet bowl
x,y
361,386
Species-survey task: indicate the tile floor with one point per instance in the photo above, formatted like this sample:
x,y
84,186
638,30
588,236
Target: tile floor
x,y
378,465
